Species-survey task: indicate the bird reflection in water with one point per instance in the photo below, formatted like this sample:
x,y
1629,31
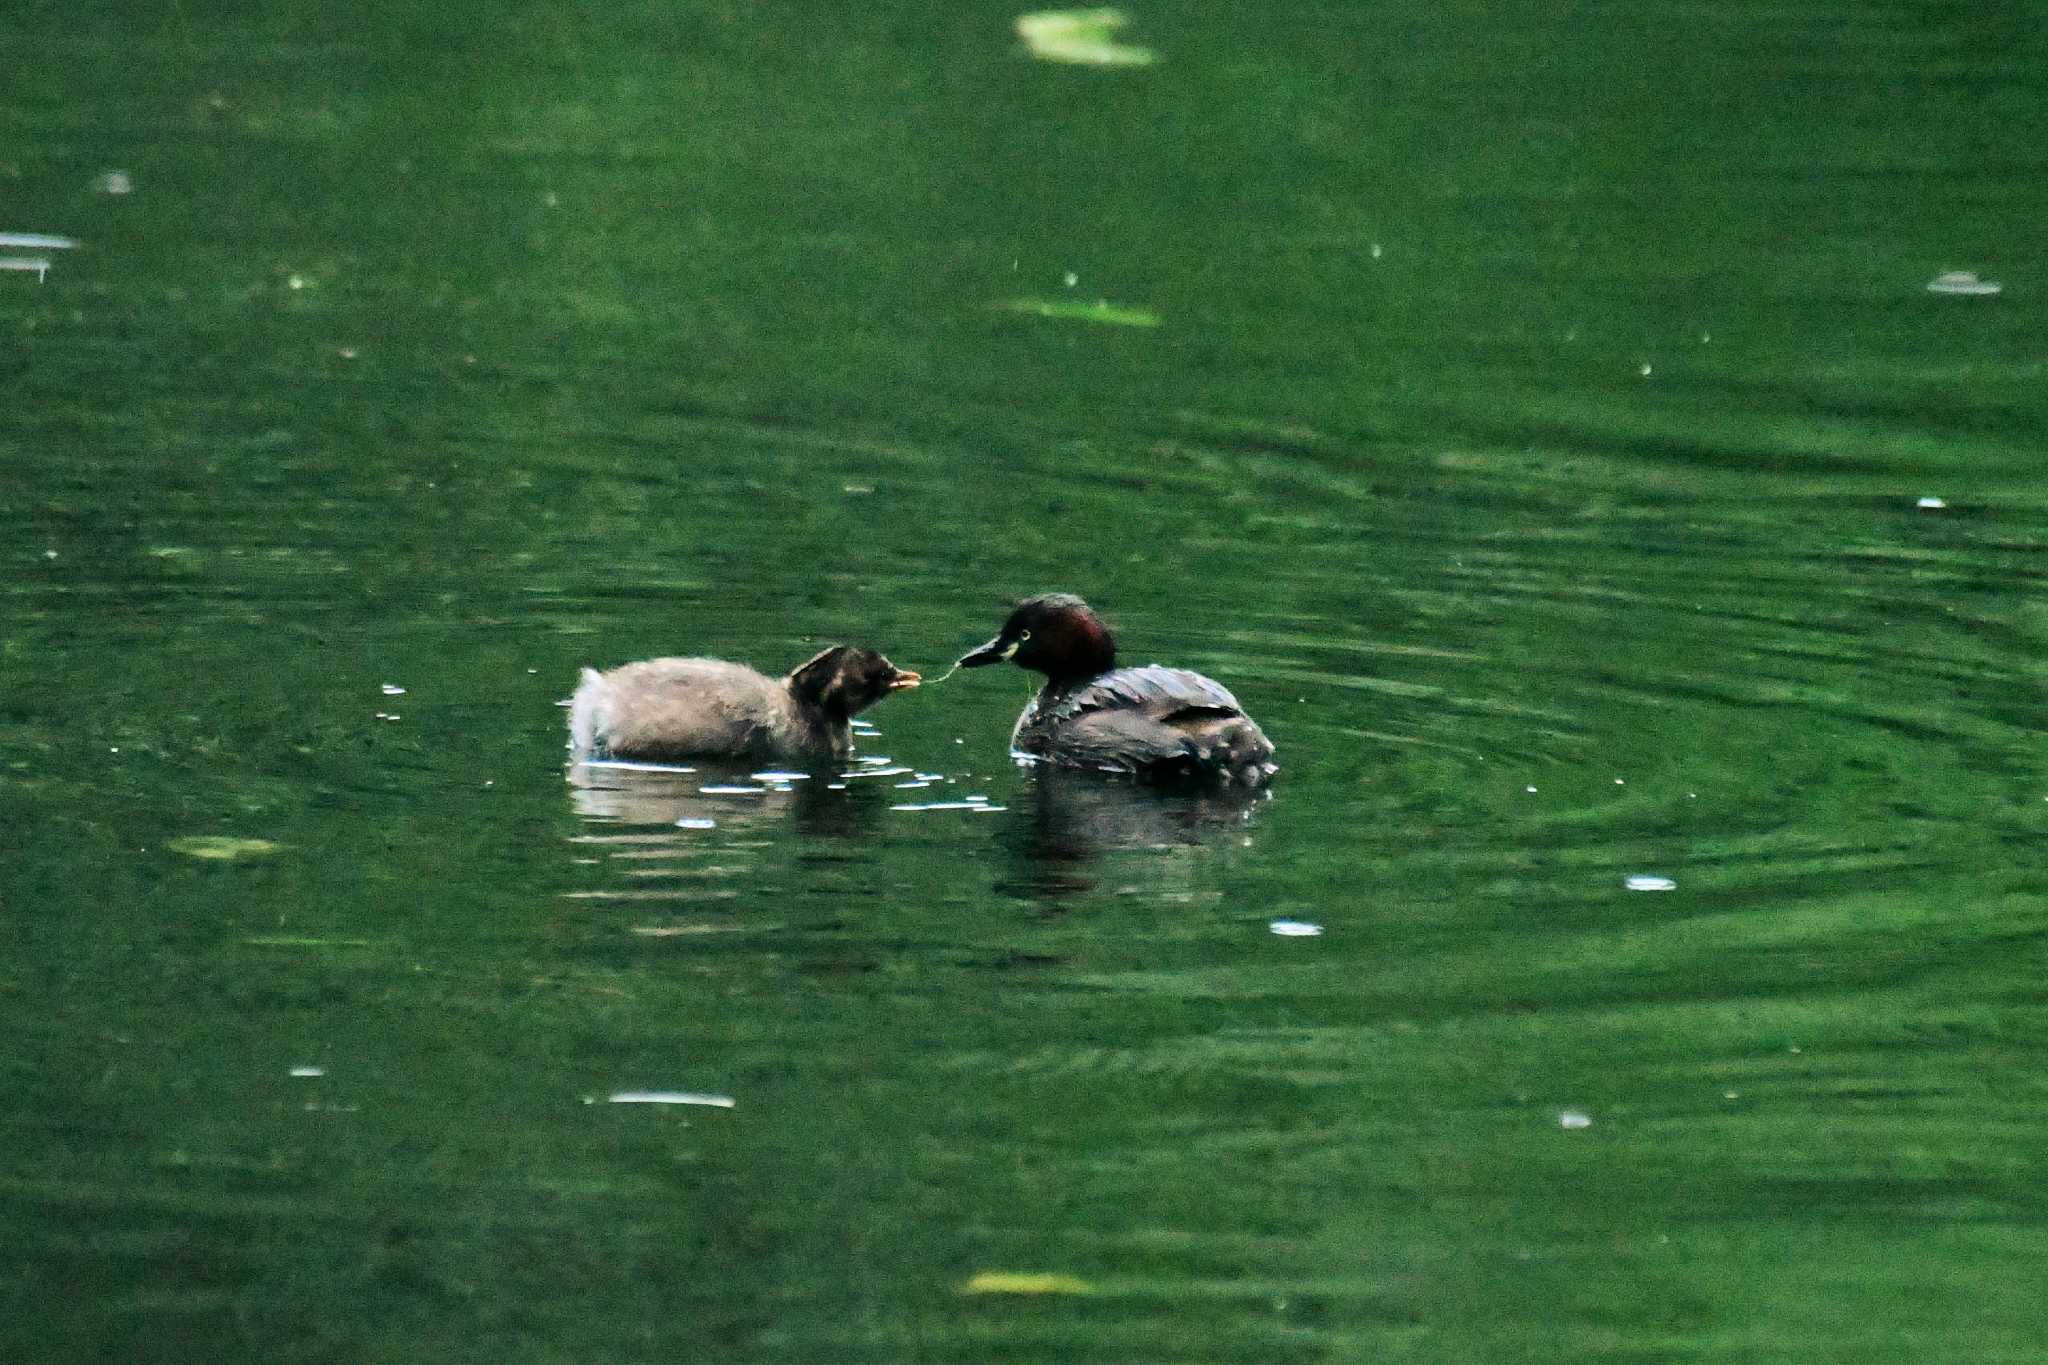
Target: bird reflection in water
x,y
708,795
1070,820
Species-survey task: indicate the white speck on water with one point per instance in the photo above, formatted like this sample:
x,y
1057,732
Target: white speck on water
x,y
1295,928
776,775
1930,504
114,182
733,791
551,199
1732,1095
1619,783
1572,1118
392,690
1376,252
900,786
948,805
1647,882
309,1071
1962,282
1072,279
1644,371
696,822
296,282
670,1097
1530,790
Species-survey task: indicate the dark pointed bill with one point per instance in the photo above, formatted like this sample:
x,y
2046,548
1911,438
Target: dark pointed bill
x,y
994,652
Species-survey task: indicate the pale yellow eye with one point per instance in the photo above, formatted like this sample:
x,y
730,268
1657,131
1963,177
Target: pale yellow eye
x,y
1022,636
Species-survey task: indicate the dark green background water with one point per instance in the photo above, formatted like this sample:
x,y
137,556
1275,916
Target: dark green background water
x,y
1531,438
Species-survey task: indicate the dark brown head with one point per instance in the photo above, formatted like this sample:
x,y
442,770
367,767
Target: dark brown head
x,y
845,680
1055,635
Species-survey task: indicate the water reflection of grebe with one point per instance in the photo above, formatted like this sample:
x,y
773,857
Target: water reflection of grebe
x,y
1075,818
712,796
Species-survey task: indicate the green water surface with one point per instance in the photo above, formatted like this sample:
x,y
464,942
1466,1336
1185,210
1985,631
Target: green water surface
x,y
1524,409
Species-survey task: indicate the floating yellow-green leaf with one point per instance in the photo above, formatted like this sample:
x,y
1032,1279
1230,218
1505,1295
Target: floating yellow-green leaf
x,y
222,847
1013,1282
1113,314
1081,36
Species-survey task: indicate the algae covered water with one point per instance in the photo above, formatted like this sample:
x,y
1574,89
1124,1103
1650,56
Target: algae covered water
x,y
1601,449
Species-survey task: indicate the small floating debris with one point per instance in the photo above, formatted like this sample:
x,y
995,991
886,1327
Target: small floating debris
x,y
696,822
670,1097
686,930
1931,504
1295,928
392,690
1963,282
309,1071
1082,37
294,941
1016,1282
1646,882
1572,1118
1103,311
222,847
36,241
